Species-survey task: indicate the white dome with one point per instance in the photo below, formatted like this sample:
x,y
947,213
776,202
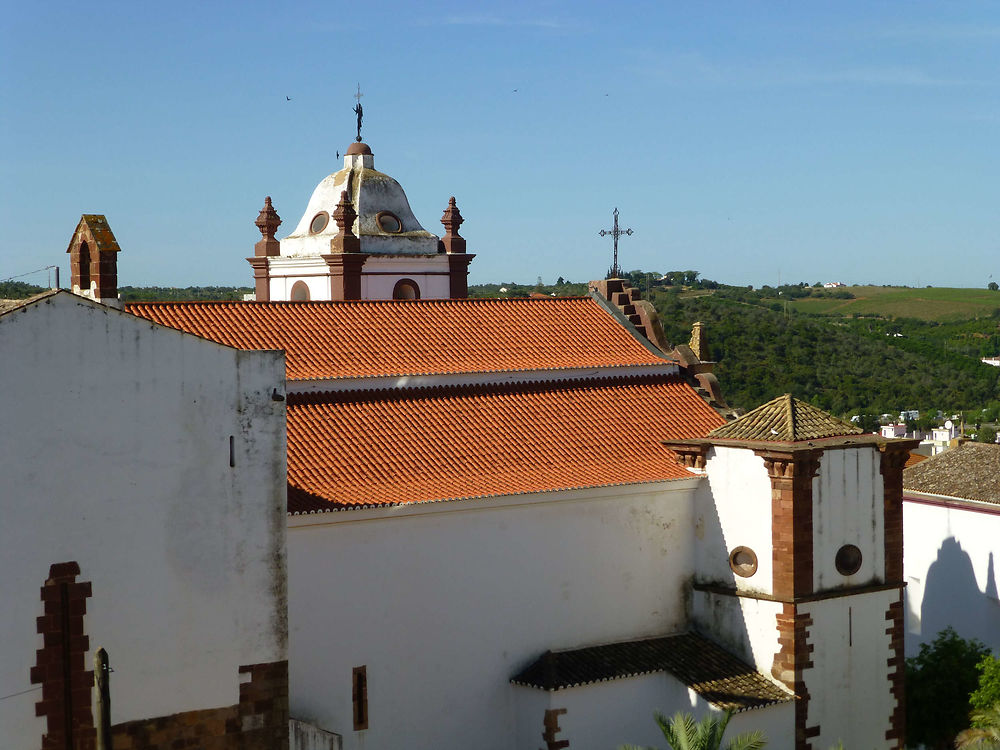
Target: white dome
x,y
385,224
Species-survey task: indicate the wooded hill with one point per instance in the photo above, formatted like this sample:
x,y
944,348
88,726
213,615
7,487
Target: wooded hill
x,y
845,367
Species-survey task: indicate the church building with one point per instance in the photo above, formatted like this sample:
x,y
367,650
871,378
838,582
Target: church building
x,y
514,520
525,523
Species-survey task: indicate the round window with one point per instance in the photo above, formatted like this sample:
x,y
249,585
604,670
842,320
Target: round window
x,y
389,222
848,560
319,222
743,561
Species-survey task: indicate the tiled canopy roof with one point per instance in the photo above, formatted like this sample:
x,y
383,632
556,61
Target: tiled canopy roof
x,y
970,471
361,339
785,420
387,448
716,675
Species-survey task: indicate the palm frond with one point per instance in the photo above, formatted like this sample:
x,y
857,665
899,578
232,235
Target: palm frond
x,y
748,741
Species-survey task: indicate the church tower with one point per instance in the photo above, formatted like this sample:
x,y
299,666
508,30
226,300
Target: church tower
x,y
799,564
358,239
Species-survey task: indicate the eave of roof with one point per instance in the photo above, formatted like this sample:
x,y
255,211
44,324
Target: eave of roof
x,y
715,674
9,305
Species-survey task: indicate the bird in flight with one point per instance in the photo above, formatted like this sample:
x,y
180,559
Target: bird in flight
x,y
515,91
338,154
288,98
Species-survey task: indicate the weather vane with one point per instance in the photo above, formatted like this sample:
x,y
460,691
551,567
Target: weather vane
x,y
615,233
359,111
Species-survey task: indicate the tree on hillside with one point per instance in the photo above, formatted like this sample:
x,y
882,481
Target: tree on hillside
x,y
682,732
939,682
993,286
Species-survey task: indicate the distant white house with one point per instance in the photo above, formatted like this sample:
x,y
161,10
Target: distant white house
x,y
833,284
893,430
995,361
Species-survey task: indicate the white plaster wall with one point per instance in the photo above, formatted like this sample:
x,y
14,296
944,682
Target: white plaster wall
x,y
114,452
847,509
950,560
734,510
444,603
848,683
286,271
431,274
604,715
745,626
777,722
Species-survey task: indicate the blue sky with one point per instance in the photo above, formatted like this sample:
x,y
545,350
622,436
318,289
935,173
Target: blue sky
x,y
852,141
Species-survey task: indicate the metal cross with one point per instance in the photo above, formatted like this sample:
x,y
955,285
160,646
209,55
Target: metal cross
x,y
359,111
615,233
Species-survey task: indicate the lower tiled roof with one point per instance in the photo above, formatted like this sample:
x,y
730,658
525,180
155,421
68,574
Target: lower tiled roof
x,y
715,674
970,471
411,446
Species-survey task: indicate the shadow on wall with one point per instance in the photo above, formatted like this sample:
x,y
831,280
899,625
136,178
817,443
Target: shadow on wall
x,y
716,616
952,597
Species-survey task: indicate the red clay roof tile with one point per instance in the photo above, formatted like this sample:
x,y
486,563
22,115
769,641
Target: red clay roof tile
x,y
356,450
361,339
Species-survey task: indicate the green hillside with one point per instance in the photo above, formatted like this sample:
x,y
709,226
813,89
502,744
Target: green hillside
x,y
845,367
931,303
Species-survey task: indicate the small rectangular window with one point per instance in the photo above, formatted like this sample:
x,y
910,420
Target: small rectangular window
x,y
359,693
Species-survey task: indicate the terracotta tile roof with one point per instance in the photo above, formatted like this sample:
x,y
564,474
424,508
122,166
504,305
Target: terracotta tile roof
x,y
716,675
785,420
395,447
360,339
970,471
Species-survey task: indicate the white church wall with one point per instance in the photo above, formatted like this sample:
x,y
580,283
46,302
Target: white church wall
x,y
777,722
847,509
115,453
605,715
744,626
734,510
848,684
444,602
949,560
